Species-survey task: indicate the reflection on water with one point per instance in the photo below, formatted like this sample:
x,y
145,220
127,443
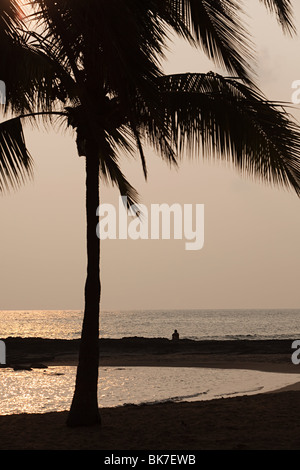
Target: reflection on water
x,y
45,390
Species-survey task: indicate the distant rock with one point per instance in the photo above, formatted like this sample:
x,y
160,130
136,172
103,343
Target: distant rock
x,y
38,366
21,367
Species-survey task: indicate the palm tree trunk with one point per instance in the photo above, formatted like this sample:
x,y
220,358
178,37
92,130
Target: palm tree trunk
x,y
84,409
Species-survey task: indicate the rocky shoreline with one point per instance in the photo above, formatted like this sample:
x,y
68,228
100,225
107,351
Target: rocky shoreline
x,y
25,352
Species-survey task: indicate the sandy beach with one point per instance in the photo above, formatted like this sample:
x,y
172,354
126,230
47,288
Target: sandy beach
x,y
268,421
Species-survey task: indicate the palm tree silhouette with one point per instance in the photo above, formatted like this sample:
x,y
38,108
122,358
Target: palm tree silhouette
x,y
15,161
97,67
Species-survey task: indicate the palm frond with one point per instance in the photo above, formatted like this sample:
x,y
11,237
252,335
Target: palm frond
x,y
216,25
15,161
34,80
284,13
110,172
11,15
223,118
110,137
141,151
114,43
30,80
151,125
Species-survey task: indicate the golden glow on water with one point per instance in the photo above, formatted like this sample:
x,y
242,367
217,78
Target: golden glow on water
x,y
26,392
63,324
46,390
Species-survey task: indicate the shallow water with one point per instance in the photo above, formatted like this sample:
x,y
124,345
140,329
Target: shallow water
x,y
46,390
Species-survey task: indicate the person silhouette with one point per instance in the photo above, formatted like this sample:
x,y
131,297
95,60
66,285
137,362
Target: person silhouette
x,y
175,336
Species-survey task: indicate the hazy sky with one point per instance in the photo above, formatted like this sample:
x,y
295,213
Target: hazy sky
x,y
251,254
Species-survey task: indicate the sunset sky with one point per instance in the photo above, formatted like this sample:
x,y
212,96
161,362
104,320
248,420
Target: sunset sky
x,y
251,253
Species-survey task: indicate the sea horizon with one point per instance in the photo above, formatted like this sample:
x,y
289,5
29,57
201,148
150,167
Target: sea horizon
x,y
194,324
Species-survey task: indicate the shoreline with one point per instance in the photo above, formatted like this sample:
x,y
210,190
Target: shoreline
x,y
263,355
267,421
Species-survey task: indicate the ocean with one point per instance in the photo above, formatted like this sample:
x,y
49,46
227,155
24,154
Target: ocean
x,y
191,324
51,389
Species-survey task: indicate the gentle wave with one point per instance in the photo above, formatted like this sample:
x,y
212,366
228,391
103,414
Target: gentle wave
x,y
174,399
241,392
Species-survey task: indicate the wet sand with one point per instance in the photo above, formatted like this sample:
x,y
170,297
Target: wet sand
x,y
268,421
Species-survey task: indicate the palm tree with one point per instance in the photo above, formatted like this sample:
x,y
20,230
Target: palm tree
x,y
15,161
99,69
